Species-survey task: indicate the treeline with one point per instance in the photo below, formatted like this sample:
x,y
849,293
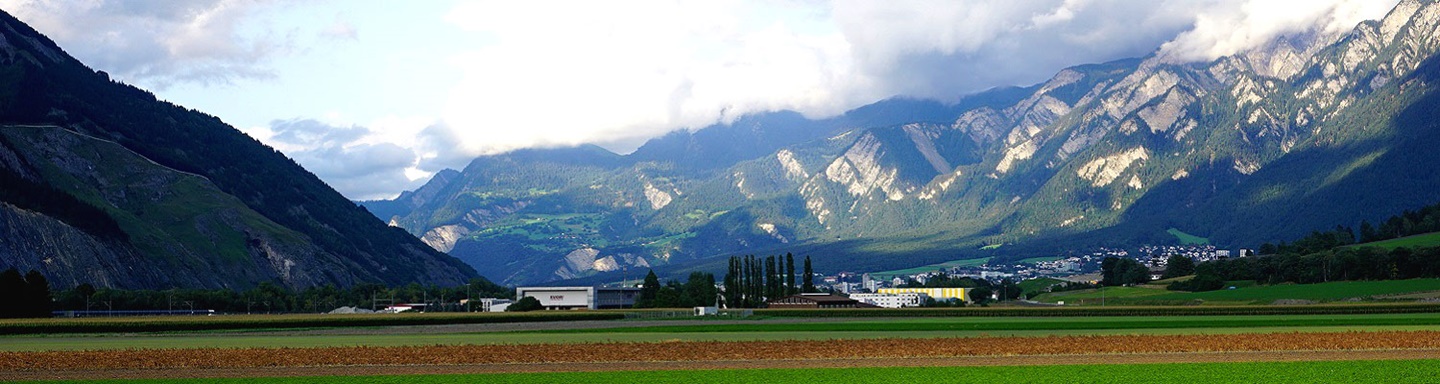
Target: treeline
x,y
1409,223
27,296
750,280
698,291
271,298
1340,264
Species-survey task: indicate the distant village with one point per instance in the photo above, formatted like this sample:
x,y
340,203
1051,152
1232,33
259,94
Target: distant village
x,y
1082,268
891,290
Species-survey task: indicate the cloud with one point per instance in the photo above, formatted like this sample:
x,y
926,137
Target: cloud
x,y
341,156
946,49
619,73
1224,31
612,71
158,43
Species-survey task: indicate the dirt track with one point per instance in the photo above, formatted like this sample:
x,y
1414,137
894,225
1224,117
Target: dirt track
x,y
252,362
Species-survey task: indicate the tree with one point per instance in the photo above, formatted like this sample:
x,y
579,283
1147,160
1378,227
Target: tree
x,y
809,285
36,295
649,291
700,290
1177,266
671,296
981,295
773,286
1116,271
12,285
525,304
732,284
790,287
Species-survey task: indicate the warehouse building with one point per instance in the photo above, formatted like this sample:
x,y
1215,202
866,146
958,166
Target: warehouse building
x,y
815,300
939,294
891,300
556,298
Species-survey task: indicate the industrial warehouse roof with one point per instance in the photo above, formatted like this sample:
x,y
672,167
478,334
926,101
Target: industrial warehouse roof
x,y
822,298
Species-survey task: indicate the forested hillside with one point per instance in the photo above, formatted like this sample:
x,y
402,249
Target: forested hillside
x,y
107,185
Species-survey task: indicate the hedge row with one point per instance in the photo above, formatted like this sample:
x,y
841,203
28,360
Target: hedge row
x,y
1340,309
250,322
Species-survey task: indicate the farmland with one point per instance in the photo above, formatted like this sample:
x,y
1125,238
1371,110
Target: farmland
x,y
1323,292
1395,371
776,345
630,356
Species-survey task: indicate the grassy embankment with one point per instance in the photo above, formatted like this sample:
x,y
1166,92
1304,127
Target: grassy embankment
x,y
1252,294
1417,241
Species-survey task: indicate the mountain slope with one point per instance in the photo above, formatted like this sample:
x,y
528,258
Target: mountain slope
x,y
271,219
1313,127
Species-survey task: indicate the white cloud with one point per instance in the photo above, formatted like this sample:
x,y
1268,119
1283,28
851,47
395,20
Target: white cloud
x,y
1226,30
346,157
157,43
610,71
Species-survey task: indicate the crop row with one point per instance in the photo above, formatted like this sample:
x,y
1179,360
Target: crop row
x,y
1330,309
239,322
708,351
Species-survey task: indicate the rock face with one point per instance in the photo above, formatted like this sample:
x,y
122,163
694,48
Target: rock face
x,y
159,208
1130,147
104,184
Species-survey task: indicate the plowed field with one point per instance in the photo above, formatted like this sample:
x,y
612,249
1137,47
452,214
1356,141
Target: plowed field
x,y
708,351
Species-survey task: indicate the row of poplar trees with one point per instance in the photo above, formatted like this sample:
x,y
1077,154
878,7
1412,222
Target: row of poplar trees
x,y
751,280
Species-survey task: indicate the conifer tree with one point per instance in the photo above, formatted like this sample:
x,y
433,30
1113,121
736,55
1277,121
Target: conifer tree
x,y
809,280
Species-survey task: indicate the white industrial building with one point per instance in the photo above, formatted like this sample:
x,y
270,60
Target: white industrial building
x,y
891,300
580,297
936,293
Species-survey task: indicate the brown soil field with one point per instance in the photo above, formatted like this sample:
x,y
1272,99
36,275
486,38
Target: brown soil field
x,y
955,361
456,355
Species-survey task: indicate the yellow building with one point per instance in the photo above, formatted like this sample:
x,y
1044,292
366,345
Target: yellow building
x,y
934,293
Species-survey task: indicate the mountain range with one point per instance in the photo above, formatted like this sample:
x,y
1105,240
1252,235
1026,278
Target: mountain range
x,y
106,185
1304,132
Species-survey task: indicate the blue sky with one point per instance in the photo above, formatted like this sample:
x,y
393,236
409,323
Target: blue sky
x,y
375,96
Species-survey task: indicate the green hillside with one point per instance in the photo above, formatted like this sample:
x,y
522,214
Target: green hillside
x,y
1416,241
1257,294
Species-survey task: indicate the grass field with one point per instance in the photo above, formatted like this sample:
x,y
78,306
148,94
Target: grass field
x,y
1417,241
931,268
757,331
1187,239
1052,323
1259,294
1394,371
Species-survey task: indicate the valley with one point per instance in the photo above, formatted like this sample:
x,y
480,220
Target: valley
x,y
1133,152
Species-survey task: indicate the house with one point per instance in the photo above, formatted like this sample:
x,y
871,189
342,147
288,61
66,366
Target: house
x,y
1156,273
